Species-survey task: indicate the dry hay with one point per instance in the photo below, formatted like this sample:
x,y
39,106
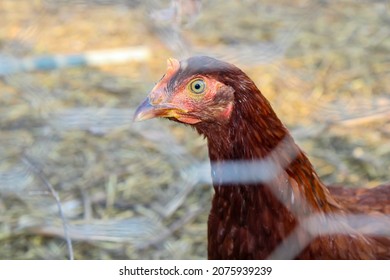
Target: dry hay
x,y
133,191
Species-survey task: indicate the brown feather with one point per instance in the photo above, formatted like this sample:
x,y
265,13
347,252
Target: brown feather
x,y
289,213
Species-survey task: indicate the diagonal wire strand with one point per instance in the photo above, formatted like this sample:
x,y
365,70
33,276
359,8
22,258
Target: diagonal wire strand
x,y
57,199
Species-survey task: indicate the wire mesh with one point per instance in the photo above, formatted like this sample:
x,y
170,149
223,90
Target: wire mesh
x,y
79,179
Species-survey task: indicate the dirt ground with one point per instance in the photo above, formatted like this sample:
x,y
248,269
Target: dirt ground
x,y
78,177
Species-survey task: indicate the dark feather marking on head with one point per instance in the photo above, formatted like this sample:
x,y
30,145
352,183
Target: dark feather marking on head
x,y
207,66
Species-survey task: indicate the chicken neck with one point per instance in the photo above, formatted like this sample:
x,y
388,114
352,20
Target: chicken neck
x,y
263,183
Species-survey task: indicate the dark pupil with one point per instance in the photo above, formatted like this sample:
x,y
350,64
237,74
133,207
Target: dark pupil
x,y
197,86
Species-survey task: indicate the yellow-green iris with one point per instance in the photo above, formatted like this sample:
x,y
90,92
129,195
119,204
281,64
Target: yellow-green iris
x,y
197,86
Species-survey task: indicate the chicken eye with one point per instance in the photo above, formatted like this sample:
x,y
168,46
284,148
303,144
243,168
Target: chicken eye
x,y
197,86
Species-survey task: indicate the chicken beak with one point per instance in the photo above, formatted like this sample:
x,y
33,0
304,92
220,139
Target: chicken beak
x,y
156,105
146,111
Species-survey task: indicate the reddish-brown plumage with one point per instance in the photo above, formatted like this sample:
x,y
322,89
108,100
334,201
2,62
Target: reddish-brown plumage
x,y
269,201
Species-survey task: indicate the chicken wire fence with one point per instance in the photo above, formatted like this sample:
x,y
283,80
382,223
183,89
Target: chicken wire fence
x,y
78,179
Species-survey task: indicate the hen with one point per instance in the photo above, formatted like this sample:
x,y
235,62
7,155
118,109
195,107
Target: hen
x,y
268,202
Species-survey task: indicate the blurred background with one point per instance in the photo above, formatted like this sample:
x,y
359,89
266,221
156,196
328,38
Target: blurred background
x,y
79,179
